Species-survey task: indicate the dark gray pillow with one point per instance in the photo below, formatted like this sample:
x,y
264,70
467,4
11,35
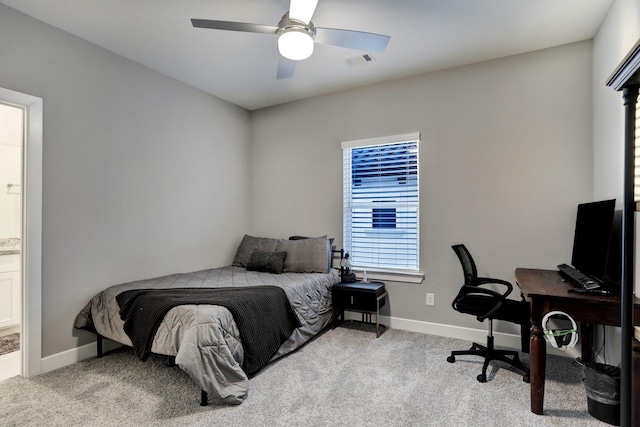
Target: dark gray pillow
x,y
267,262
250,244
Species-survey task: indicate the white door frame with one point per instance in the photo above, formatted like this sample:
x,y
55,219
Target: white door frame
x,y
31,230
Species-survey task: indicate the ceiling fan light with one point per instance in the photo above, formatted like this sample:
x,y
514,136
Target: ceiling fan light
x,y
295,44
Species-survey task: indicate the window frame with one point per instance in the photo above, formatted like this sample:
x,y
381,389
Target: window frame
x,y
377,272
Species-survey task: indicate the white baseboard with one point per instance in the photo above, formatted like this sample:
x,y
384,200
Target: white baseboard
x,y
69,357
440,329
87,351
459,332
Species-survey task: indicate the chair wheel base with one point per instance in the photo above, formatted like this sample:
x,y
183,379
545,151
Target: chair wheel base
x,y
451,359
482,378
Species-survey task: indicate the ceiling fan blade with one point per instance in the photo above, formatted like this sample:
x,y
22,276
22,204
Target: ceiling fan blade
x,y
286,68
352,39
233,26
302,10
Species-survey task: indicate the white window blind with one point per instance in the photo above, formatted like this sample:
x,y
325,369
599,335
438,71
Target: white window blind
x,y
381,202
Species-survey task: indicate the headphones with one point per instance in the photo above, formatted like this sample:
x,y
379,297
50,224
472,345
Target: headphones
x,y
560,338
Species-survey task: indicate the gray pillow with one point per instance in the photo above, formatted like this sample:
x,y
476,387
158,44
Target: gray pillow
x,y
306,255
250,244
330,252
268,262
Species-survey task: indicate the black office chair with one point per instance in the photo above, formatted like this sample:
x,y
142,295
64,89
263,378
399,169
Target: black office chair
x,y
488,304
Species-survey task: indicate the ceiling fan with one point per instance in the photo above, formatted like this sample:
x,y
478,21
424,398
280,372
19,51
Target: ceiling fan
x,y
297,35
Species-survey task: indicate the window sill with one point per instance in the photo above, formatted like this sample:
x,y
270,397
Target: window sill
x,y
392,276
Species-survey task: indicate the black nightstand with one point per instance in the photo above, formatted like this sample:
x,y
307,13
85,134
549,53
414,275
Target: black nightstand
x,y
366,298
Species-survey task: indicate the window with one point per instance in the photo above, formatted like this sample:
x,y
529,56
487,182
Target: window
x,y
381,200
383,218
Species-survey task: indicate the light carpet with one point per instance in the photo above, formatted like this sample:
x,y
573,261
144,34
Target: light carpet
x,y
344,377
9,343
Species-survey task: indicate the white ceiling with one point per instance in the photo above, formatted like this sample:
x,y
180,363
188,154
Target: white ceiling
x,y
426,35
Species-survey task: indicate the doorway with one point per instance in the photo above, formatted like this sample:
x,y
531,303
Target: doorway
x,y
11,143
29,190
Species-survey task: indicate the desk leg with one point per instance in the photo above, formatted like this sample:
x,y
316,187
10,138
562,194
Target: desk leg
x,y
585,338
538,357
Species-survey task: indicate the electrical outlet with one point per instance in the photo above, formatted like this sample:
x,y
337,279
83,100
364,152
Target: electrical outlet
x,y
430,299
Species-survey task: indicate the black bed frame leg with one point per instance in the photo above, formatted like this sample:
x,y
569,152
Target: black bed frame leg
x,y
99,344
204,399
171,362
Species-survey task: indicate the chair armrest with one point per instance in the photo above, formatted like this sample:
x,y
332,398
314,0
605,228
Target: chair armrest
x,y
487,280
469,290
480,281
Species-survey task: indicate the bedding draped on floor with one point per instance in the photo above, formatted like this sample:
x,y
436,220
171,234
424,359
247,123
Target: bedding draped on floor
x,y
205,339
262,313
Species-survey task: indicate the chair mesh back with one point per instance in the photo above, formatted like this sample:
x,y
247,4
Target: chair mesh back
x,y
468,266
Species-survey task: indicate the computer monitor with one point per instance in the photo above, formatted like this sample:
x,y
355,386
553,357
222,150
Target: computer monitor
x,y
592,242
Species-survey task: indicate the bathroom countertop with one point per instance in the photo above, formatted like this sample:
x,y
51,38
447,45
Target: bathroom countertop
x,y
9,245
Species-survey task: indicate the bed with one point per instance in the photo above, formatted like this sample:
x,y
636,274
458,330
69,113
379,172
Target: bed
x,y
203,338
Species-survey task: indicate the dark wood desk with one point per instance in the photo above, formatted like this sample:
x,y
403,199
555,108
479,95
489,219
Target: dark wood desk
x,y
546,290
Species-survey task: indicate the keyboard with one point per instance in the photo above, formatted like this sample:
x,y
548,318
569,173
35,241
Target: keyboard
x,y
586,282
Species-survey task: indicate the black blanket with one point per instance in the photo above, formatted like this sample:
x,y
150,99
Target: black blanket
x,y
263,315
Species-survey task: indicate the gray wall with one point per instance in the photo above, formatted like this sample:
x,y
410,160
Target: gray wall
x,y
143,175
506,156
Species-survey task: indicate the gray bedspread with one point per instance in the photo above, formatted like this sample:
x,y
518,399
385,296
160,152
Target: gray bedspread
x,y
204,338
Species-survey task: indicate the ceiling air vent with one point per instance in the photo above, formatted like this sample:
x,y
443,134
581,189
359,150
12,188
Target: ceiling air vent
x,y
361,59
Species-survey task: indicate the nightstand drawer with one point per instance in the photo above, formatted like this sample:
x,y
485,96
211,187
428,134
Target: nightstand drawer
x,y
359,296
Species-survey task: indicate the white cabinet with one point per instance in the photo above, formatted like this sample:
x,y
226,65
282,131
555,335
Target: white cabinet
x,y
10,290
